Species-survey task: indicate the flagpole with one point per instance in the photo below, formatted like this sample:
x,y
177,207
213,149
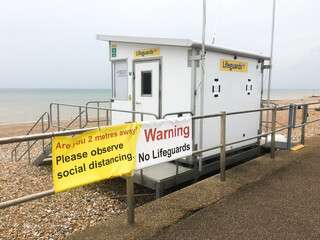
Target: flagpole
x,y
271,58
202,80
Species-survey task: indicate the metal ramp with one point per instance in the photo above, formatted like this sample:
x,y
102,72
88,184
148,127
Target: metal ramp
x,y
164,176
167,175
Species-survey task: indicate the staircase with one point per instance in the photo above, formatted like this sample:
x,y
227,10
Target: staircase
x,y
46,123
44,158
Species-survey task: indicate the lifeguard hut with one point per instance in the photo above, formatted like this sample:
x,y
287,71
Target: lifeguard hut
x,y
161,76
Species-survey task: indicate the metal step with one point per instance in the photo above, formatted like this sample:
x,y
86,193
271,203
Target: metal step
x,y
281,145
42,156
161,172
46,161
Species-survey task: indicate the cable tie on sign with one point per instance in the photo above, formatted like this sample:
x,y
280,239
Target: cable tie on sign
x,y
53,135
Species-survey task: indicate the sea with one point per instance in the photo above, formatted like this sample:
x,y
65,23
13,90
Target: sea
x,y
282,94
27,105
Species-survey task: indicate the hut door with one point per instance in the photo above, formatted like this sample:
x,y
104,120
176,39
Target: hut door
x,y
146,88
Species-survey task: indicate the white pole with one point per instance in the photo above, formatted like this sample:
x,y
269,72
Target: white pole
x,y
202,80
216,22
271,56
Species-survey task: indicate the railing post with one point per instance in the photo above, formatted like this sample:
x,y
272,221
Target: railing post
x,y
290,126
98,114
177,170
294,116
130,200
223,147
80,118
107,116
304,122
141,176
58,117
87,117
273,134
42,128
29,158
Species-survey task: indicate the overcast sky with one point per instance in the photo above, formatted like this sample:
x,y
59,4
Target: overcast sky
x,y
52,44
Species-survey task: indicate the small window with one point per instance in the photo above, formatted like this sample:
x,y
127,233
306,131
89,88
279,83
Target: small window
x,y
146,84
120,79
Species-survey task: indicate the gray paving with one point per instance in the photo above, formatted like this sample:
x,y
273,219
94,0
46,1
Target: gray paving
x,y
261,199
284,205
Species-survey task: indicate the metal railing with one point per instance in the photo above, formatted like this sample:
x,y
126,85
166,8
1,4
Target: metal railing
x,y
44,129
58,113
44,147
86,108
304,122
82,110
66,128
98,104
222,145
178,114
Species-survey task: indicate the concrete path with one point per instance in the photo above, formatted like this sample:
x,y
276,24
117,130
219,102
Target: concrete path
x,y
261,199
283,205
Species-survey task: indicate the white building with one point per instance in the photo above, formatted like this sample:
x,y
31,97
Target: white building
x,y
162,76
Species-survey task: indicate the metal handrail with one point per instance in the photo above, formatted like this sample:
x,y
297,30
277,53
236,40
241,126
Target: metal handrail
x,y
311,103
14,151
27,198
25,138
78,131
177,113
50,123
259,110
223,144
102,101
58,114
66,128
295,115
75,119
86,108
315,120
98,112
41,118
99,108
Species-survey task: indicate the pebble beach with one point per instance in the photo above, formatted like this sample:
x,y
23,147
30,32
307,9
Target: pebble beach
x,y
55,216
59,215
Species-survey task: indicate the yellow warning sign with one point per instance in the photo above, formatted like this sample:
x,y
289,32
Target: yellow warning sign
x,y
233,66
94,155
147,52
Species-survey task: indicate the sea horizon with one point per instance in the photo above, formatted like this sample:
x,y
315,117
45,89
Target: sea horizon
x,y
26,105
